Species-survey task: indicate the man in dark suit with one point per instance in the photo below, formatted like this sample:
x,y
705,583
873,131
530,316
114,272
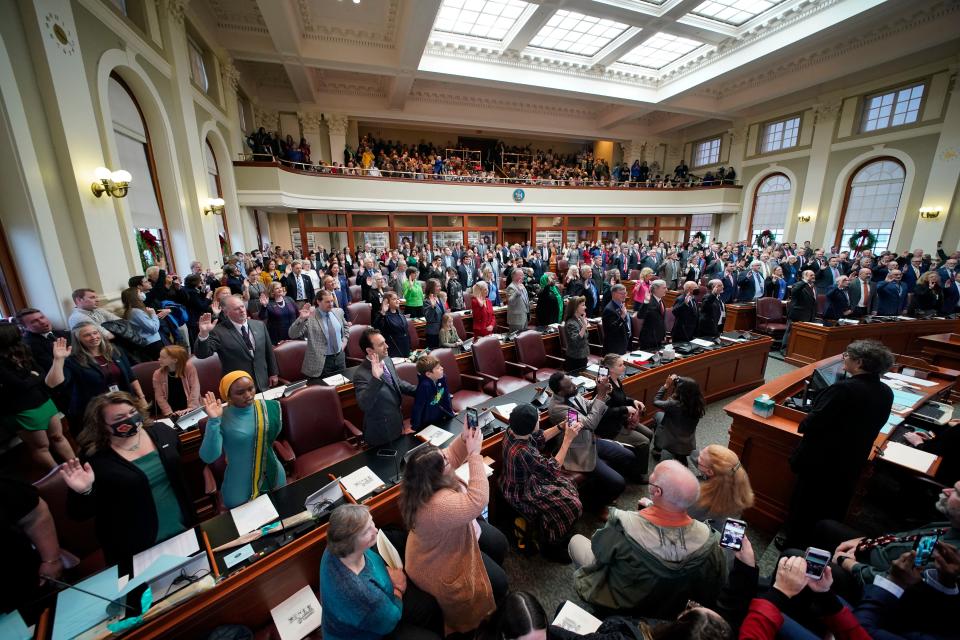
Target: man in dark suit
x,y
40,335
838,300
535,263
751,283
654,316
729,281
685,314
912,272
862,293
838,434
827,276
803,304
242,343
947,271
379,391
591,292
712,312
467,272
951,294
616,322
891,294
298,284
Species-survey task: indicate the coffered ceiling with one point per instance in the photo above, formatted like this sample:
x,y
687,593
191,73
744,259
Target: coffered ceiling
x,y
617,69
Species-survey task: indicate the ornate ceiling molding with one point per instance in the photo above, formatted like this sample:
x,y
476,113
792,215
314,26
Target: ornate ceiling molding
x,y
319,30
351,86
239,15
485,102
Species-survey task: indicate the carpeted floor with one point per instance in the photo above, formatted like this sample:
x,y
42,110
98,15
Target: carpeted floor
x,y
553,583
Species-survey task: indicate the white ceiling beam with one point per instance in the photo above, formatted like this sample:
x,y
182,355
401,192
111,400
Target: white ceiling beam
x,y
622,46
672,123
281,19
302,81
691,32
618,115
413,31
398,91
532,26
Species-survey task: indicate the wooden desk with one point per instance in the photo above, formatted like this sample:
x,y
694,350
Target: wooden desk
x,y
941,349
811,342
765,444
246,596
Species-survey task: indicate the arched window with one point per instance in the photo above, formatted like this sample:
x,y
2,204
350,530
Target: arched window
x,y
872,200
771,203
136,156
215,191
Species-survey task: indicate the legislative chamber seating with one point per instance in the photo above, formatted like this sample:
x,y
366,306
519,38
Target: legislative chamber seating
x,y
289,355
315,434
489,363
359,312
209,373
355,354
770,318
533,355
460,396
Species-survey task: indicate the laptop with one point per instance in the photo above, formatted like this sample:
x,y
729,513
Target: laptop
x,y
321,502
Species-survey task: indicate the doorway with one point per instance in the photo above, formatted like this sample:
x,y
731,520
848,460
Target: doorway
x,y
511,237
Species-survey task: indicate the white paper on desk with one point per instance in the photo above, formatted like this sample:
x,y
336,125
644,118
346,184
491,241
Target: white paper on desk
x,y
588,383
434,435
361,482
336,380
905,318
298,615
272,394
593,368
397,361
700,342
908,456
575,619
641,355
910,379
183,545
463,471
505,409
254,514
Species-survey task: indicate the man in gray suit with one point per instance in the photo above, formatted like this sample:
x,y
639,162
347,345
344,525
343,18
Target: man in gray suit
x,y
862,293
518,303
379,389
669,271
242,343
326,333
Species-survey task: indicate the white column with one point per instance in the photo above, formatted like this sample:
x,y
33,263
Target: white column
x,y
353,134
337,124
242,232
814,200
942,183
310,124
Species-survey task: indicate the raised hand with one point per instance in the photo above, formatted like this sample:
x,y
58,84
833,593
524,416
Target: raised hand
x,y
211,405
206,324
264,300
746,554
78,477
376,366
306,310
61,350
473,438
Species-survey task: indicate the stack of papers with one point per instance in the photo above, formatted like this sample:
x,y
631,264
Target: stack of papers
x,y
908,456
298,615
911,380
504,409
336,380
700,342
463,471
254,514
183,545
905,398
434,435
892,421
387,551
271,394
575,619
361,483
588,383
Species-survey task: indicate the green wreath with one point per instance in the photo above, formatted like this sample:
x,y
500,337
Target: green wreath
x,y
765,238
862,241
700,237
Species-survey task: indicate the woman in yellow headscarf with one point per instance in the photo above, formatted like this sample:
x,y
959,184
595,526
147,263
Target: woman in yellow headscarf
x,y
245,430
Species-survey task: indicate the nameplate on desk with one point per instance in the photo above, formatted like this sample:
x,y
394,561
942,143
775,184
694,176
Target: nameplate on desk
x,y
397,361
298,615
503,411
236,557
271,394
336,380
361,483
702,343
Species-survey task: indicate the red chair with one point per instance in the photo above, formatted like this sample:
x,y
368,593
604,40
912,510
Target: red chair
x,y
461,397
532,354
461,328
489,363
634,274
412,332
591,358
668,319
467,301
407,371
209,373
356,293
562,265
355,354
315,434
78,538
636,325
143,372
290,354
770,319
822,304
359,312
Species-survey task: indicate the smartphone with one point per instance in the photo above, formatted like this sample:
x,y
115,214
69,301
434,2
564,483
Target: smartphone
x,y
924,547
387,453
817,561
732,535
572,416
473,418
603,372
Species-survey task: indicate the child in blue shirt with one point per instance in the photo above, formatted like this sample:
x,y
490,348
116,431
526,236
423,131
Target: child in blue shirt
x,y
432,401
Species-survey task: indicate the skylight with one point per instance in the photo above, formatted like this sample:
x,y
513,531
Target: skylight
x,y
575,33
490,19
660,50
734,12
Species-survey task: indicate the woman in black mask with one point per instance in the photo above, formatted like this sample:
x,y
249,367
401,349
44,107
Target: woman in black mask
x,y
131,481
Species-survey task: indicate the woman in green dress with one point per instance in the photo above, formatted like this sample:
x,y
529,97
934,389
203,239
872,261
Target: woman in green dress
x,y
245,430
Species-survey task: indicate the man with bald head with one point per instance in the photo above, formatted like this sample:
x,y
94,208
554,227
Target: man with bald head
x,y
653,560
803,304
242,343
838,300
862,292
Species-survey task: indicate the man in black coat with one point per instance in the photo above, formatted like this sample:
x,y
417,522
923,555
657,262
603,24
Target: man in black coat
x,y
803,304
838,300
838,434
467,272
616,322
654,315
298,284
712,312
40,335
685,314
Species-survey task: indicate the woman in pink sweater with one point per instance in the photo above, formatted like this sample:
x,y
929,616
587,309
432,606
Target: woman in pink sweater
x,y
176,386
451,554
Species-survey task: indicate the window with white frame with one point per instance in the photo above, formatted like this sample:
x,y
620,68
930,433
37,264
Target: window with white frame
x,y
892,109
701,223
874,199
706,152
771,205
198,68
782,134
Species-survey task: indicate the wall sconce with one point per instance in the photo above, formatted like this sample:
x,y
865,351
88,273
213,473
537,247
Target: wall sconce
x,y
929,213
804,217
214,206
116,183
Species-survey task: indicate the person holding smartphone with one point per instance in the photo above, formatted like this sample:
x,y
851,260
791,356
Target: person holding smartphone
x,y
681,406
621,421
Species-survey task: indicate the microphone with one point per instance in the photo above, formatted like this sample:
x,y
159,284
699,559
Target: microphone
x,y
67,585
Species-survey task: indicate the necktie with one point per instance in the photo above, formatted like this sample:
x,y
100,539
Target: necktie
x,y
757,285
246,338
864,293
300,294
387,376
662,312
835,274
333,344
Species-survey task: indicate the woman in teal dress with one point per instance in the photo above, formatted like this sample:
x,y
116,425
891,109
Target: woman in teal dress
x,y
245,429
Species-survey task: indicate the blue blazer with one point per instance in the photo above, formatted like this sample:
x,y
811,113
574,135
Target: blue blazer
x,y
431,404
889,301
837,303
729,290
951,298
748,286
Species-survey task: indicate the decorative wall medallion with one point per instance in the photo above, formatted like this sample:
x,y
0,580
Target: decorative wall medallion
x,y
518,195
59,34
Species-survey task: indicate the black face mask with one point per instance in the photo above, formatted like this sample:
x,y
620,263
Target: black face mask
x,y
127,427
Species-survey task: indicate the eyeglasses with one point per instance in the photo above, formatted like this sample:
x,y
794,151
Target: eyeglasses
x,y
655,486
